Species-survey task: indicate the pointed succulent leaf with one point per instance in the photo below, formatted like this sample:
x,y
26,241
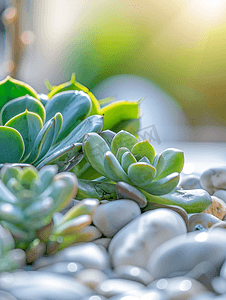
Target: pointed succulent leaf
x,y
107,135
159,163
141,173
123,139
19,105
8,172
127,160
74,106
193,201
17,232
73,225
113,169
65,158
145,159
90,124
28,124
14,186
131,126
120,110
120,153
144,148
11,145
74,85
162,186
11,88
27,176
94,148
45,138
45,178
174,162
6,196
39,208
11,213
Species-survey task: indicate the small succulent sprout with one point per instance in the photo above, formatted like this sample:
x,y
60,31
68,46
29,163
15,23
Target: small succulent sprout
x,y
38,134
134,162
28,200
10,258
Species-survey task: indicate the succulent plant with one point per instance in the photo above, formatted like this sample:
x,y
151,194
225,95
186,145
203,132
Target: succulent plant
x,y
10,258
36,134
138,172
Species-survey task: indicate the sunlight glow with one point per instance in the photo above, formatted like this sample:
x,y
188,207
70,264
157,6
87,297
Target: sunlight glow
x,y
208,9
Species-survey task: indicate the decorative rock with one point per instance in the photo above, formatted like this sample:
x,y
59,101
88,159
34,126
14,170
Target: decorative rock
x,y
111,217
65,268
112,287
190,182
201,221
127,191
218,225
103,242
88,254
217,208
181,254
91,277
133,273
144,294
179,288
214,179
133,244
6,296
94,297
220,194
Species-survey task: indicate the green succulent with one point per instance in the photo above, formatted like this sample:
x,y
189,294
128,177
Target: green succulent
x,y
10,258
138,172
36,134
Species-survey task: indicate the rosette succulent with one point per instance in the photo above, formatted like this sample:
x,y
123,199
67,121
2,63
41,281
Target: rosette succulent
x,y
36,134
138,172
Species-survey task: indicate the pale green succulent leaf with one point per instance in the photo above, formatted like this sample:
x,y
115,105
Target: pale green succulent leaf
x,y
28,124
162,186
11,213
141,173
108,136
123,139
73,225
6,195
159,163
127,160
39,208
74,106
120,153
45,178
8,172
144,148
19,105
11,145
27,176
145,159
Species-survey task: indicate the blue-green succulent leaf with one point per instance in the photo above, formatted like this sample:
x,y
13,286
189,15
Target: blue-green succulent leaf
x,y
120,153
123,139
127,160
141,173
144,148
159,163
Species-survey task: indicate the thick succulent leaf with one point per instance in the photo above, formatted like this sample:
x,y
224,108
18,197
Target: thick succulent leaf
x,y
11,145
162,186
174,162
159,163
84,170
141,173
94,148
90,124
8,172
19,105
28,124
6,240
27,176
193,201
131,126
11,88
144,148
108,136
127,160
123,139
113,169
106,101
18,233
120,110
98,190
74,85
145,159
65,158
39,208
5,195
120,153
14,186
11,261
74,106
11,213
45,138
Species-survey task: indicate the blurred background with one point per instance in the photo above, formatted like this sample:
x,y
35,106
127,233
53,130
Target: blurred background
x,y
172,52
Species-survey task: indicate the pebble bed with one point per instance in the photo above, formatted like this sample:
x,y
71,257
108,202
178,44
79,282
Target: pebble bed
x,y
137,254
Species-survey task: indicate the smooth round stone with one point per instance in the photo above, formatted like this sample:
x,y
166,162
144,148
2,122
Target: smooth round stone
x,y
88,254
133,244
103,242
38,285
144,294
6,296
190,182
219,284
112,287
213,179
218,225
178,287
221,194
223,271
179,255
201,221
91,277
109,218
133,273
217,208
94,297
66,268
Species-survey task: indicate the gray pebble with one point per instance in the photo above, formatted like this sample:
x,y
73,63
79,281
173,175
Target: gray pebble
x,y
66,268
133,273
103,242
91,277
190,182
220,194
202,221
109,218
144,294
214,179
